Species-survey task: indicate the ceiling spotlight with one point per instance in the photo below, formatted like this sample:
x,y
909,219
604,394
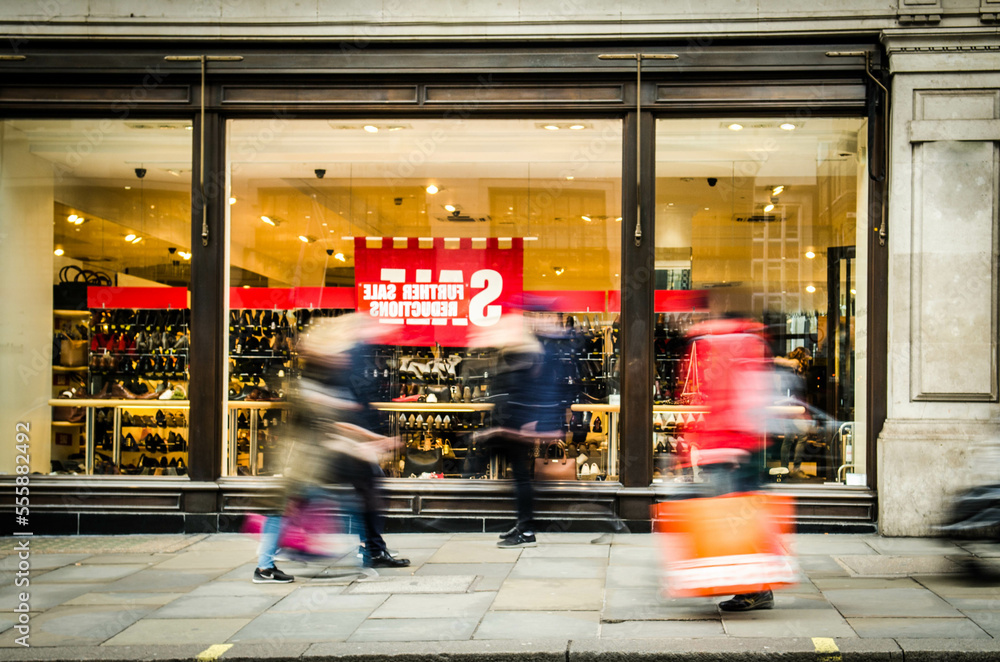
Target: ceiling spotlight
x,y
810,254
577,127
450,207
130,236
137,240
72,218
586,218
370,128
559,270
267,220
306,240
777,190
232,201
854,291
128,188
569,176
551,127
768,208
432,189
184,254
618,220
735,127
810,289
340,256
59,252
787,126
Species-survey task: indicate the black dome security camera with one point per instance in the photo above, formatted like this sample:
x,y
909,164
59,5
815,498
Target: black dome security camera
x,y
140,172
172,250
712,181
329,251
320,173
398,201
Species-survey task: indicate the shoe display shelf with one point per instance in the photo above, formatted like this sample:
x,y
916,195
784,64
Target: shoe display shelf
x,y
70,424
447,427
119,444
254,441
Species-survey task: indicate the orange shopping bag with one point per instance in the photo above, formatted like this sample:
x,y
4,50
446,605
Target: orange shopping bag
x,y
724,545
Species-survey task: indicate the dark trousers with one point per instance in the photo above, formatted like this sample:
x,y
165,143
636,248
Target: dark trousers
x,y
363,477
520,458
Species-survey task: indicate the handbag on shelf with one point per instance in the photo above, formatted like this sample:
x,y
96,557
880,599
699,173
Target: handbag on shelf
x,y
419,462
72,353
556,466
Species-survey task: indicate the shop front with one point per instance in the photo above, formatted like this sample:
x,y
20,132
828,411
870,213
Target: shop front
x,y
174,221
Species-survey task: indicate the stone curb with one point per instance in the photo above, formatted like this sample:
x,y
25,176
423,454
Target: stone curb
x,y
715,649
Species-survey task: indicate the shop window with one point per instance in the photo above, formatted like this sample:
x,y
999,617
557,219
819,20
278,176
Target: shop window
x,y
768,217
96,218
424,225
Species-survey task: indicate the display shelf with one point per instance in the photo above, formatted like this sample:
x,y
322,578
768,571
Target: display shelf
x,y
67,424
434,407
102,403
257,404
62,368
73,314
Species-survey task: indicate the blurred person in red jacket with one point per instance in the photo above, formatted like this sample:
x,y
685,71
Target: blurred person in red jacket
x,y
731,365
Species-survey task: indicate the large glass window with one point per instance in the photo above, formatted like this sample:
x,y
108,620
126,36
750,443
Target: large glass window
x,y
766,217
455,215
95,217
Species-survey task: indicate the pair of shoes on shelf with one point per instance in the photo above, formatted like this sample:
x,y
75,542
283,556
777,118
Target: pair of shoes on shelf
x,y
591,470
385,560
517,538
749,602
271,576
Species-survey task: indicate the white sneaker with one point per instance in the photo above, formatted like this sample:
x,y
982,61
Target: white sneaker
x,y
595,470
585,470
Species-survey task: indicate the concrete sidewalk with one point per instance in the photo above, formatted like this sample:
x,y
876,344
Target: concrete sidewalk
x,y
175,597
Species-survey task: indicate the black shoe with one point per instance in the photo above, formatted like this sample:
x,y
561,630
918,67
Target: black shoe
x,y
271,576
507,535
521,539
383,560
749,601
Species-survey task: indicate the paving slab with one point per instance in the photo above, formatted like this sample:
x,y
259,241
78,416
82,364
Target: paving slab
x,y
912,546
147,599
208,560
199,606
781,623
478,569
327,598
922,628
890,603
633,576
949,650
828,583
816,566
959,587
649,605
484,551
415,629
94,574
78,626
434,606
170,581
298,627
827,545
988,620
9,561
43,596
170,631
124,559
569,568
421,584
493,584
986,550
634,555
247,587
635,539
567,551
401,541
550,595
880,565
526,624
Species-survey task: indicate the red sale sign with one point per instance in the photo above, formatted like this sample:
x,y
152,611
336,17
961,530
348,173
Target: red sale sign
x,y
437,291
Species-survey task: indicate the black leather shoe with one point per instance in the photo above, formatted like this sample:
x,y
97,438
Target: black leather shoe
x,y
749,601
383,560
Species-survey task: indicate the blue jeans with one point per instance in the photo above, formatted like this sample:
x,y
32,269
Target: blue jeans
x,y
268,542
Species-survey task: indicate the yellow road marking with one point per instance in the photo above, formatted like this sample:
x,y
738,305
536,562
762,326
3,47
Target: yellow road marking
x,y
214,652
826,649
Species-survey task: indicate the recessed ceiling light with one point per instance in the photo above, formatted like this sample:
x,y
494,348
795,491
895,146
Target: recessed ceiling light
x,y
72,218
59,251
130,236
450,207
432,189
810,289
370,128
340,256
618,220
232,201
137,240
304,239
735,127
577,127
246,287
559,270
787,126
768,208
706,208
268,220
184,254
569,176
777,190
810,254
551,127
128,188
586,218
854,291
